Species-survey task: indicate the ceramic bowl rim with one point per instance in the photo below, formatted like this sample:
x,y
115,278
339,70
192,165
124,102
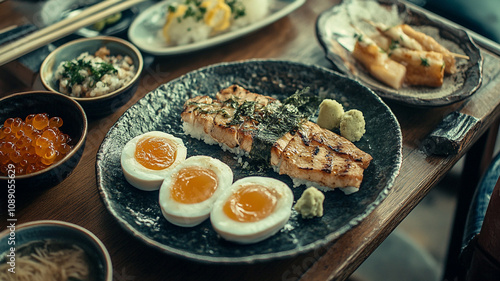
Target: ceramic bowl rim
x,y
122,89
77,146
101,248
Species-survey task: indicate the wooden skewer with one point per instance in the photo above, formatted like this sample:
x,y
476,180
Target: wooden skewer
x,y
8,28
459,56
359,31
372,23
63,28
450,53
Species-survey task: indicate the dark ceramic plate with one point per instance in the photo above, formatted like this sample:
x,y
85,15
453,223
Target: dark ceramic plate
x,y
138,211
336,27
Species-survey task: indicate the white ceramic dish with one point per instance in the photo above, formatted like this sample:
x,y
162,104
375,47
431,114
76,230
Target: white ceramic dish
x,y
143,31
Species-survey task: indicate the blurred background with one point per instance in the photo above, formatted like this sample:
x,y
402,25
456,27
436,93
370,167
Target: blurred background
x,y
480,16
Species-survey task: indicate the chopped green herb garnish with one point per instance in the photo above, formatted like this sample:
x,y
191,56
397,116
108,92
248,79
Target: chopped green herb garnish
x,y
394,45
237,8
424,62
202,108
359,37
198,12
201,14
73,71
189,12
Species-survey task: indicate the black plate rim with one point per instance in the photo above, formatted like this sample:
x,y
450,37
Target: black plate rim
x,y
258,257
456,96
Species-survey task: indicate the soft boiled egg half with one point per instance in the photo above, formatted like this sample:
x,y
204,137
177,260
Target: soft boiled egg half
x,y
252,209
191,188
147,158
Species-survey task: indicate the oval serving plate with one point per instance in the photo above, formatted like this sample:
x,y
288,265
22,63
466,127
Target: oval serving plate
x,y
144,31
336,27
138,211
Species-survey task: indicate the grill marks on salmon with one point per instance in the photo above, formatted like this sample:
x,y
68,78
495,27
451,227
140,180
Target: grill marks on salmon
x,y
307,154
213,117
321,156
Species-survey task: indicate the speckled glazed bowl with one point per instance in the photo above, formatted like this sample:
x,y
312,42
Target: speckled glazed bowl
x,y
31,233
74,124
101,105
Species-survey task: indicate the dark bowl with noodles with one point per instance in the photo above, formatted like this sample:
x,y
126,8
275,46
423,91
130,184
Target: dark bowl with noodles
x,y
52,250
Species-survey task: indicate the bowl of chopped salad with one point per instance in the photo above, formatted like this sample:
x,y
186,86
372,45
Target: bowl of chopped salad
x,y
101,73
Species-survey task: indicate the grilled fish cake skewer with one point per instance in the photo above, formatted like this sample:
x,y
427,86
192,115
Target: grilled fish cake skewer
x,y
408,37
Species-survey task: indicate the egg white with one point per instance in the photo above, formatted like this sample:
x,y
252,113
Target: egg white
x,y
252,232
188,215
138,175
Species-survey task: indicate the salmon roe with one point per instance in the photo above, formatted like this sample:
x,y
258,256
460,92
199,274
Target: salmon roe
x,y
32,144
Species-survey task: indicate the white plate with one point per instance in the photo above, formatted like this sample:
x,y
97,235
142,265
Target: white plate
x,y
144,31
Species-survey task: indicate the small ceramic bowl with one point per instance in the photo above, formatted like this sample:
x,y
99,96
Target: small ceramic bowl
x,y
101,105
56,234
74,124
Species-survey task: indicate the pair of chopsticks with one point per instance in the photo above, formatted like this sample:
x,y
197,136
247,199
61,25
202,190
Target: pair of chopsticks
x,y
63,28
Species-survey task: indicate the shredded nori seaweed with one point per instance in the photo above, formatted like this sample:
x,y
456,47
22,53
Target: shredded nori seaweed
x,y
288,117
273,120
246,109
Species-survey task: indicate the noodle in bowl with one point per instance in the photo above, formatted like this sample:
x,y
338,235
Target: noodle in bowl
x,y
53,250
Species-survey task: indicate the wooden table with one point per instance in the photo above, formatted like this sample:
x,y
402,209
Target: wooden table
x,y
77,200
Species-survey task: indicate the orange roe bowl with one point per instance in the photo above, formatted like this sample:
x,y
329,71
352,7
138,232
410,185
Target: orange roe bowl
x,y
40,124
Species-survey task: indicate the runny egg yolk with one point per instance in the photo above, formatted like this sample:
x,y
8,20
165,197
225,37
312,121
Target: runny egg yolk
x,y
251,203
194,185
155,153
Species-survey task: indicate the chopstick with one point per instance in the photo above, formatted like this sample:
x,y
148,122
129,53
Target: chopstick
x,y
63,28
61,24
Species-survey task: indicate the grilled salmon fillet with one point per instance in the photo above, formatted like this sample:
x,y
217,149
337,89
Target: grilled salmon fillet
x,y
308,154
317,155
213,117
